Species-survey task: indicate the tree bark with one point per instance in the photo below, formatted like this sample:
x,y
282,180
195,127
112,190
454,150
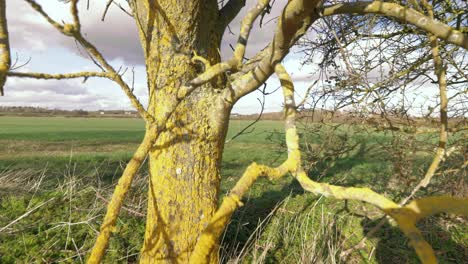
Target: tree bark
x,y
185,161
5,60
184,183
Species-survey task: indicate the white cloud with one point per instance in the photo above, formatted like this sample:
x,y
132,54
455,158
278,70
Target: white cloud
x,y
117,38
69,94
69,87
259,36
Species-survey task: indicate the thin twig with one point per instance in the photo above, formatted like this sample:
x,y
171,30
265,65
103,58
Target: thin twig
x,y
26,214
131,211
106,9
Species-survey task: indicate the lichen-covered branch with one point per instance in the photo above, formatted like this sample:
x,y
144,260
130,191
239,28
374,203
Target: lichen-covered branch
x,y
116,202
293,22
75,15
5,57
440,72
298,15
117,78
405,216
403,14
235,62
74,30
399,74
109,2
41,11
59,76
209,238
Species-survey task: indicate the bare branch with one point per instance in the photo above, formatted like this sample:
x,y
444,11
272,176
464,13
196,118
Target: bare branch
x,y
229,12
440,72
41,11
73,30
306,95
295,19
403,14
129,13
106,9
116,77
15,65
242,131
129,210
74,12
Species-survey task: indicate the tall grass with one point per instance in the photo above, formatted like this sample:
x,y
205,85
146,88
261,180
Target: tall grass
x,y
310,236
52,204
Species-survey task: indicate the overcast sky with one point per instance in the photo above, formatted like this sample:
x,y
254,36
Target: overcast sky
x,y
31,37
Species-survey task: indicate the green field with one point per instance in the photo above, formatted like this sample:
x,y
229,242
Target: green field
x,y
71,164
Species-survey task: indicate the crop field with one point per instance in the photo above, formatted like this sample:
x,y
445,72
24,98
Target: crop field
x,y
57,175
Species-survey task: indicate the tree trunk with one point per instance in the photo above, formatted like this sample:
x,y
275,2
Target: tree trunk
x,y
184,163
184,184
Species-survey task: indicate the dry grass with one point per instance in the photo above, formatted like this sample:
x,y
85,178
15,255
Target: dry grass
x,y
311,235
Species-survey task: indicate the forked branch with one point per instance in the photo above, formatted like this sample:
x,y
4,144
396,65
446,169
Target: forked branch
x,y
298,15
293,22
402,14
440,72
235,63
74,30
405,216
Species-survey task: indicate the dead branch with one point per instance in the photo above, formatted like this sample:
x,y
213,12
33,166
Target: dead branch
x,y
403,14
26,214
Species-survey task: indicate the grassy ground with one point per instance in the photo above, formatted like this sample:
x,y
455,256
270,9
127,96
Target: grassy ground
x,y
59,172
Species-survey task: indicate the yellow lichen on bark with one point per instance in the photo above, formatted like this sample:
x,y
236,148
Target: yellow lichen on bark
x,y
405,216
5,58
209,238
186,129
235,62
184,162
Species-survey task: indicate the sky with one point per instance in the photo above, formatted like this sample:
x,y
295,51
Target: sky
x,y
47,50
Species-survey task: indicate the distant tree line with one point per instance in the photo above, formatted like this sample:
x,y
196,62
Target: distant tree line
x,y
41,111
